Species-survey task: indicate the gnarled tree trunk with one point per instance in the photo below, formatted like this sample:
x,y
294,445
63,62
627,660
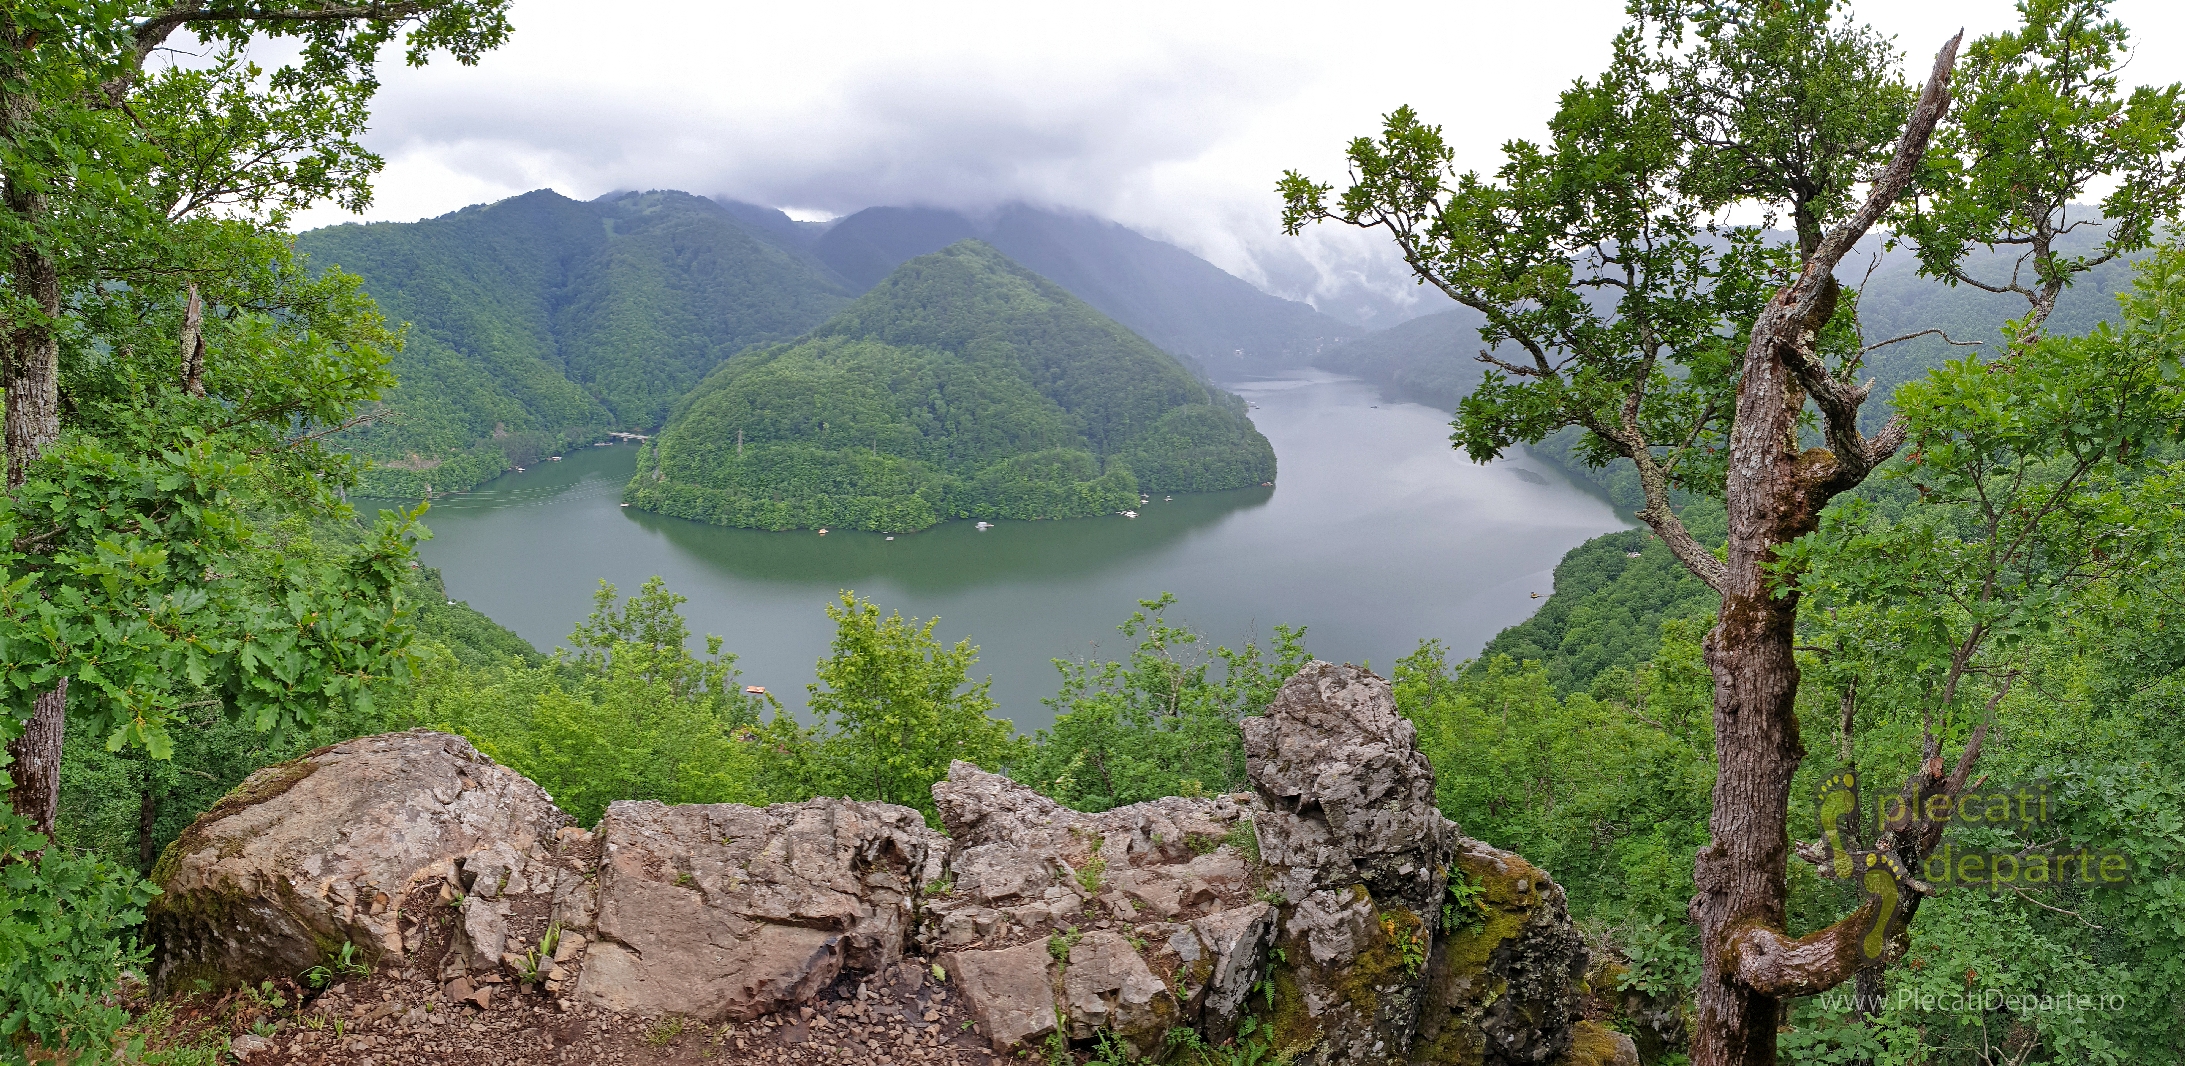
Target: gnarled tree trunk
x,y
1774,493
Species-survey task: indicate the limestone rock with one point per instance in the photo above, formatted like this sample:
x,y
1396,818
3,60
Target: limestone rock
x,y
721,912
1594,1044
1010,991
1107,986
1027,869
1235,944
321,850
1356,847
1503,983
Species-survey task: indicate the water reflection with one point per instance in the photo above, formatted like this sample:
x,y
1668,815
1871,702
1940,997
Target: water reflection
x,y
1377,535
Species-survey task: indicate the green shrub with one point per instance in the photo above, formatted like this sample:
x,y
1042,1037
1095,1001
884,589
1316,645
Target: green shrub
x,y
63,944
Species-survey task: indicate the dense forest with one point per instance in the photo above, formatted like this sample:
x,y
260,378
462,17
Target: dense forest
x,y
961,386
539,322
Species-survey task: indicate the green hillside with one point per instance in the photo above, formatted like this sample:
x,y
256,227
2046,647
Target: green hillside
x,y
539,322
961,386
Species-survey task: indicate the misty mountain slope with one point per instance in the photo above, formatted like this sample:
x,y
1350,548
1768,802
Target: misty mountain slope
x,y
1432,359
539,321
964,386
1180,302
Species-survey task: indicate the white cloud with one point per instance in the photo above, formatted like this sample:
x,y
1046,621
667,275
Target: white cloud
x,y
1173,119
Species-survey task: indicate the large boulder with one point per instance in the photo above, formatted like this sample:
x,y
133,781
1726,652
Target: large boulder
x,y
1330,916
721,912
1360,857
322,850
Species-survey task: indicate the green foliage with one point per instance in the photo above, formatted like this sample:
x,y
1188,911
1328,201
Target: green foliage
x,y
1464,907
1134,729
124,595
2042,117
1608,792
63,945
962,386
539,322
1092,874
1607,610
341,965
2025,481
894,707
629,714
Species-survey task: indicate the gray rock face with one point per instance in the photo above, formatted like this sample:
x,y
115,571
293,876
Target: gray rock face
x,y
722,912
1356,847
1149,907
1010,991
321,850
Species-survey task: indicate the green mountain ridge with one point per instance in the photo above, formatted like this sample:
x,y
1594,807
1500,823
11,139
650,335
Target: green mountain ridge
x,y
539,322
961,386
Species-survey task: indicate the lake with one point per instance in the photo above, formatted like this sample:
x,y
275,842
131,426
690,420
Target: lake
x,y
1375,536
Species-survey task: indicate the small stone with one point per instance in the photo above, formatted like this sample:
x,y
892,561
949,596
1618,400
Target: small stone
x,y
249,1044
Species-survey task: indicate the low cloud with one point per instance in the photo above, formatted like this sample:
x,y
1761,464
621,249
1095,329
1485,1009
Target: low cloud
x,y
1172,119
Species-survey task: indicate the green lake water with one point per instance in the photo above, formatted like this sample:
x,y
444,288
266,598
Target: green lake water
x,y
1376,535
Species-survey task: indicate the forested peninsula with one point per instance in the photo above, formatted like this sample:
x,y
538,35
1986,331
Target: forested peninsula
x,y
961,386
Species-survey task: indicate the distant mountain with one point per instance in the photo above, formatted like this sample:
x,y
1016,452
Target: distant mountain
x,y
962,385
1180,302
539,321
1433,359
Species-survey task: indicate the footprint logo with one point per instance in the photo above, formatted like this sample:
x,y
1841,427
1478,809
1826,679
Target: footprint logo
x,y
1883,876
1839,814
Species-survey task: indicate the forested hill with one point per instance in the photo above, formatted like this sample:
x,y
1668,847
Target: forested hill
x,y
540,321
962,385
1180,302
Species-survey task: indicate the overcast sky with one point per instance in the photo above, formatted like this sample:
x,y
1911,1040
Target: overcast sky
x,y
1174,119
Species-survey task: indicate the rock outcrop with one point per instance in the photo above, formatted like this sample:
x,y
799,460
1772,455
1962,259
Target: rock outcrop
x,y
1331,916
1360,856
1132,921
721,912
320,851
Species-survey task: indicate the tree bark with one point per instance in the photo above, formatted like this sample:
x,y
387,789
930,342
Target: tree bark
x,y
33,352
1774,493
30,374
36,771
193,344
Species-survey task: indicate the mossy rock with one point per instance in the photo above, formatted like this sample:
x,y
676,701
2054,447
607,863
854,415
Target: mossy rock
x,y
1594,1044
1502,986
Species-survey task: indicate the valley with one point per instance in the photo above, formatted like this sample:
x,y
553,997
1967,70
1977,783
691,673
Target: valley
x,y
1376,536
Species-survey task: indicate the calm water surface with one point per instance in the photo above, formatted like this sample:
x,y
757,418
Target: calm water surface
x,y
1375,536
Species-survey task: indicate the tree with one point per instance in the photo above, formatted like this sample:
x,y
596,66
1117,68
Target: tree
x,y
1708,355
627,713
895,708
1156,724
152,309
